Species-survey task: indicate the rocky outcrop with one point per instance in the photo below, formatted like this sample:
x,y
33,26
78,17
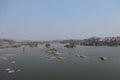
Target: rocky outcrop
x,y
103,58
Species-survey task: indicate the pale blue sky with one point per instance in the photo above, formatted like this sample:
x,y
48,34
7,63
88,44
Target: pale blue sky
x,y
59,19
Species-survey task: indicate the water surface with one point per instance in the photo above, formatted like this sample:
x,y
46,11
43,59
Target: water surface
x,y
35,63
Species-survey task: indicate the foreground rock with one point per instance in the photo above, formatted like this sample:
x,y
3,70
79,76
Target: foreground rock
x,y
55,54
11,71
52,50
13,62
103,58
83,56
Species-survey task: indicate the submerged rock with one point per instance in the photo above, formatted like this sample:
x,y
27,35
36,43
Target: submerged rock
x,y
78,55
8,69
57,54
103,58
23,48
13,62
11,71
62,58
81,56
3,58
7,56
18,70
46,56
52,58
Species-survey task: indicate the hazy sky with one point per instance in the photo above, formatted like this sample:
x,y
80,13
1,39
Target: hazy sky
x,y
59,19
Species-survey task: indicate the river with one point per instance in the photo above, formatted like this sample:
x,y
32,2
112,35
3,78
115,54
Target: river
x,y
36,63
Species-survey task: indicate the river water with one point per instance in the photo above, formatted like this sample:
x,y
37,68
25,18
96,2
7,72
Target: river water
x,y
36,64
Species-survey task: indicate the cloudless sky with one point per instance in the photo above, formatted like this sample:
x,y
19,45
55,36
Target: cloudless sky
x,y
59,19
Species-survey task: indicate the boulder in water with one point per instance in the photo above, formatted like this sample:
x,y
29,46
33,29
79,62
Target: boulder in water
x,y
103,58
11,71
13,62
